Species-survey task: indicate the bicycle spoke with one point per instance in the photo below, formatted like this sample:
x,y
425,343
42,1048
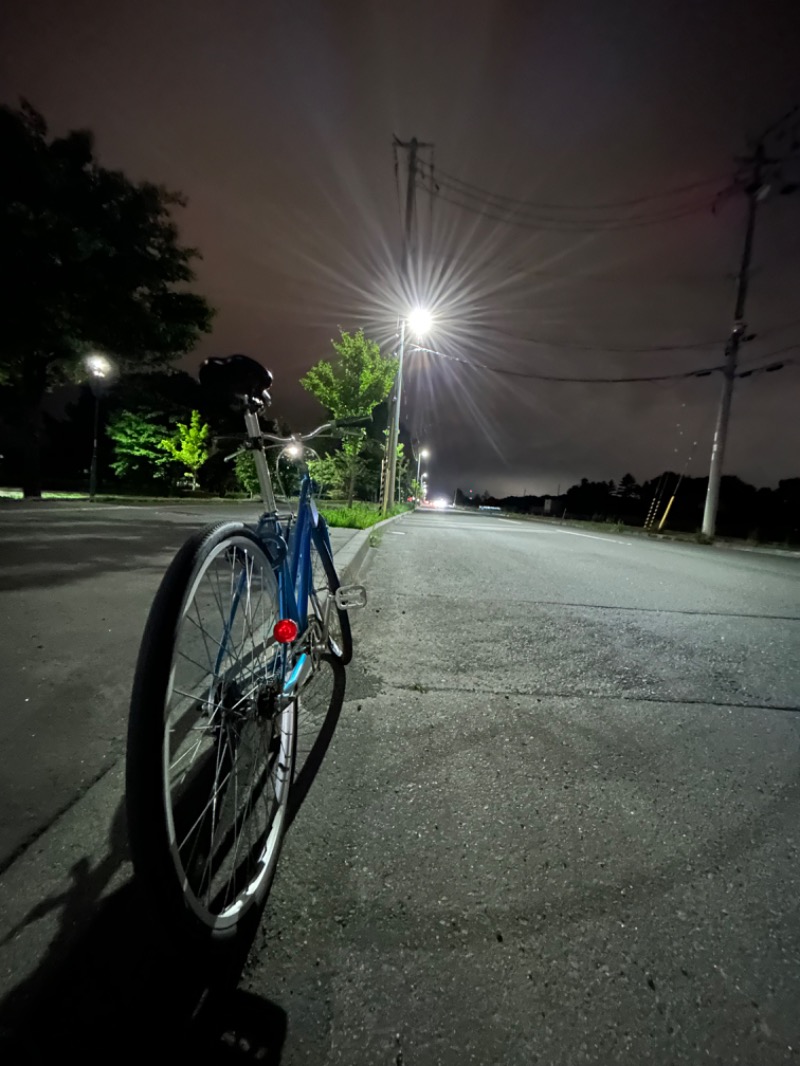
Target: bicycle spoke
x,y
228,737
210,684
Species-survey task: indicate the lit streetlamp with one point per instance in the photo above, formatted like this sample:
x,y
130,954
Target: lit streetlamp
x,y
418,322
99,368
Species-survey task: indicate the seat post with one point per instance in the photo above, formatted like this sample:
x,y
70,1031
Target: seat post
x,y
256,442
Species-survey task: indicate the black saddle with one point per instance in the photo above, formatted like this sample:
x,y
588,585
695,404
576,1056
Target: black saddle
x,y
237,378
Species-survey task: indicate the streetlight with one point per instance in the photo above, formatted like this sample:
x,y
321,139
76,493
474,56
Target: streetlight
x,y
423,454
419,321
99,368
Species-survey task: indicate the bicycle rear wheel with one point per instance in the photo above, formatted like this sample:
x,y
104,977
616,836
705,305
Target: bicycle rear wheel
x,y
211,739
335,637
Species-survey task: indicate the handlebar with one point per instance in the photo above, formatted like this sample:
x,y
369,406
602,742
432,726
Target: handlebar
x,y
301,438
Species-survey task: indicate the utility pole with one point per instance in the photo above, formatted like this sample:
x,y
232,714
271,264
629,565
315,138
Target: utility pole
x,y
756,189
412,147
755,194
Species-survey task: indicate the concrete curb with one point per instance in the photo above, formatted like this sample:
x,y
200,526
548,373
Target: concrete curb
x,y
353,556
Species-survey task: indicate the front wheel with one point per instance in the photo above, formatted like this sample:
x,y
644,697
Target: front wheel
x,y
211,738
333,624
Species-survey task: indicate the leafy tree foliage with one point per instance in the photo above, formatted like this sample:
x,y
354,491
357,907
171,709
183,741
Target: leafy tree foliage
x,y
327,471
352,385
139,457
90,259
188,446
355,382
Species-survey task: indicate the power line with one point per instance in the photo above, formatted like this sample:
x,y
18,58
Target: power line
x,y
691,346
526,214
700,372
569,225
771,366
486,194
633,350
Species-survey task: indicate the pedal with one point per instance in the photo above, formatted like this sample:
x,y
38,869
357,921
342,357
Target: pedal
x,y
351,597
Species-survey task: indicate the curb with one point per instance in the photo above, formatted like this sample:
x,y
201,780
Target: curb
x,y
353,556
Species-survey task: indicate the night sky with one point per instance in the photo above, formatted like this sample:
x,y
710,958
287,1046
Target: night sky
x,y
276,120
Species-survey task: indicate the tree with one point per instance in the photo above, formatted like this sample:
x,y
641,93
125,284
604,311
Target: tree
x,y
356,382
352,386
188,445
627,488
351,461
246,474
327,471
90,259
403,473
139,456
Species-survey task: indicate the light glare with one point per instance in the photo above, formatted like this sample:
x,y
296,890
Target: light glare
x,y
97,365
420,321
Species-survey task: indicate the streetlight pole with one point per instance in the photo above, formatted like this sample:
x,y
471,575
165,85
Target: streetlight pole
x,y
394,428
93,464
99,368
421,454
418,321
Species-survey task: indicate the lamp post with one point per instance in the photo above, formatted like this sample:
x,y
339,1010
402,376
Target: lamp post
x,y
423,454
99,368
419,322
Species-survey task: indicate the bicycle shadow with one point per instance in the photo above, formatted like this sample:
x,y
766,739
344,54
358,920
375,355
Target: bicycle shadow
x,y
109,987
321,705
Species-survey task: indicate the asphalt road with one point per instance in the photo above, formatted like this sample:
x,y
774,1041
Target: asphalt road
x,y
557,821
76,583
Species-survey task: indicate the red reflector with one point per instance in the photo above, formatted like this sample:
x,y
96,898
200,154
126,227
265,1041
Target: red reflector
x,y
285,631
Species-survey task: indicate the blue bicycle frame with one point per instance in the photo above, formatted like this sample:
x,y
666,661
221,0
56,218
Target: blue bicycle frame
x,y
293,577
289,549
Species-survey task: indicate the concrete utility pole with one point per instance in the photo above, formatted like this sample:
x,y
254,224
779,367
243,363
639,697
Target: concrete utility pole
x,y
394,427
390,482
756,189
755,193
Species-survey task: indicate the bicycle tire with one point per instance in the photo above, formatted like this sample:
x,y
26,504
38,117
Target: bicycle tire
x,y
322,590
230,731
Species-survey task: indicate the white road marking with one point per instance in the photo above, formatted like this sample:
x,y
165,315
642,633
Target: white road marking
x,y
491,529
591,536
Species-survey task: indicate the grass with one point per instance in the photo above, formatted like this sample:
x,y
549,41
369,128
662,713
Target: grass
x,y
16,494
357,516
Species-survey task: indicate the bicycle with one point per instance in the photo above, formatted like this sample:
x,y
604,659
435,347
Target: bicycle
x,y
243,619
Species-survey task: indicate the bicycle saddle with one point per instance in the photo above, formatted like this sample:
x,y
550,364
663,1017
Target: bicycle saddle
x,y
238,377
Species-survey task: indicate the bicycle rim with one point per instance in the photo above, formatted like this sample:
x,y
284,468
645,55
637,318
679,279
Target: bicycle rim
x,y
333,625
229,736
